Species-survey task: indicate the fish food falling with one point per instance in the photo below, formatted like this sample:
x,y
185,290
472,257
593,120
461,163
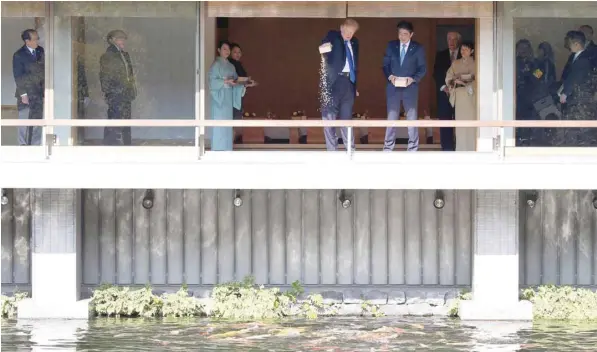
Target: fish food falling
x,y
324,86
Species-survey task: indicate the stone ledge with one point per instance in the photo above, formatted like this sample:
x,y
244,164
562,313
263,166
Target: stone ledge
x,y
474,310
29,309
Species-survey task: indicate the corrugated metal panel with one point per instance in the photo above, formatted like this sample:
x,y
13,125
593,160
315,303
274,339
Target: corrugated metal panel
x,y
559,239
293,9
410,9
23,9
16,237
126,8
199,237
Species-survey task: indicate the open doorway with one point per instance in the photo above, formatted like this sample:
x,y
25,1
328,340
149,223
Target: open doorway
x,y
281,54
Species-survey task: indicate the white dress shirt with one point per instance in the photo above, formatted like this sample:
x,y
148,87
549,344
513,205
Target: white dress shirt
x,y
347,65
577,55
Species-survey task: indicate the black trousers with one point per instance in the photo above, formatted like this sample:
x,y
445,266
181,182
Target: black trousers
x,y
118,109
445,111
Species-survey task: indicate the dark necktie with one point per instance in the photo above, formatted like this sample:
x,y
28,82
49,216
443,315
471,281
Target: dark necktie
x,y
353,77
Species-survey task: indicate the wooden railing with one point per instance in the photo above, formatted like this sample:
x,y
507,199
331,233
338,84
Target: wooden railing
x,y
302,123
297,123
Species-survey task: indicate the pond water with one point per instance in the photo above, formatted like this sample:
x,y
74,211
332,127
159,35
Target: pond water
x,y
330,334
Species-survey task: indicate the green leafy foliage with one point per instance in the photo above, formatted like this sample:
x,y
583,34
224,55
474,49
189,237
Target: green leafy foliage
x,y
115,301
246,301
314,306
368,309
562,303
455,303
179,304
9,304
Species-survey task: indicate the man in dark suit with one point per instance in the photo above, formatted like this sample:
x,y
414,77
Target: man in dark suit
x,y
590,46
339,92
404,61
576,93
445,111
28,69
118,85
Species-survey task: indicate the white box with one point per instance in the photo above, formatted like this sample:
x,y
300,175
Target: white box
x,y
400,82
325,48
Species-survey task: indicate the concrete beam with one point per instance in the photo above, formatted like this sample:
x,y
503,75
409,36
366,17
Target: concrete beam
x,y
154,167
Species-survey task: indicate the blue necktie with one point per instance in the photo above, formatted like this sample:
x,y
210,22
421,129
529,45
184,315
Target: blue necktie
x,y
353,77
402,53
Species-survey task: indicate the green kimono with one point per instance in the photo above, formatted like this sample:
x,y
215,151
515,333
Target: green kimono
x,y
224,99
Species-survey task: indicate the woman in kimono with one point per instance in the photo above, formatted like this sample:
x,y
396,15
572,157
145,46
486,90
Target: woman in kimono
x,y
460,80
225,95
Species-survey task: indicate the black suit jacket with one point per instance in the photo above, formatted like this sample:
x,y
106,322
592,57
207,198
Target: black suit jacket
x,y
29,72
116,77
441,66
591,49
336,59
578,83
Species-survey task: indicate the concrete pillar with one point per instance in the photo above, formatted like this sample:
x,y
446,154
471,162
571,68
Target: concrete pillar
x,y
487,92
507,68
63,79
55,257
495,260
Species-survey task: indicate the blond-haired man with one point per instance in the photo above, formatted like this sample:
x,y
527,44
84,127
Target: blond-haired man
x,y
341,76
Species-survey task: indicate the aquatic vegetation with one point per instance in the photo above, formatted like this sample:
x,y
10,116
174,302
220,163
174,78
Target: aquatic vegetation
x,y
179,304
369,309
562,302
455,303
113,301
9,304
246,301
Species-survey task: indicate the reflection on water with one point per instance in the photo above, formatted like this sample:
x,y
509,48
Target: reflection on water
x,y
334,334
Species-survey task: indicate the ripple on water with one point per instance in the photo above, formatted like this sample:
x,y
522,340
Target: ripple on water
x,y
330,334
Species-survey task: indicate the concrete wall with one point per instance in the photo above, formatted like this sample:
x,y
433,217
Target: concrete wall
x,y
199,237
16,238
558,244
386,237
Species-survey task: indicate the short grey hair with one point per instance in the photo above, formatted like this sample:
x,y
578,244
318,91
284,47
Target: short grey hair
x,y
458,35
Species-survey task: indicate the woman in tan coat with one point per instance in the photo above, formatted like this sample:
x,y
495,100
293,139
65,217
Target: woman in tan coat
x,y
460,80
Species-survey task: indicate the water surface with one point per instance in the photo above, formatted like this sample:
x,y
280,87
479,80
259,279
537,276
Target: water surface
x,y
330,334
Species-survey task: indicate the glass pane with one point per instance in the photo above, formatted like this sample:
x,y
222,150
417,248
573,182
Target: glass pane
x,y
556,79
22,71
125,60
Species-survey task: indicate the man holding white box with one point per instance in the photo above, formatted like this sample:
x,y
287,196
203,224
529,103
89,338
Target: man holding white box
x,y
404,65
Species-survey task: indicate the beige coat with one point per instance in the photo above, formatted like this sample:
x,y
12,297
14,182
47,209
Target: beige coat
x,y
464,100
